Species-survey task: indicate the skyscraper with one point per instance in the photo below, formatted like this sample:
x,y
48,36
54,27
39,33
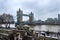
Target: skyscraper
x,y
58,18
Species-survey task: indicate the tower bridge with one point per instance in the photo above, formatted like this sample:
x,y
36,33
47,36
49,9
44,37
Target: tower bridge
x,y
20,16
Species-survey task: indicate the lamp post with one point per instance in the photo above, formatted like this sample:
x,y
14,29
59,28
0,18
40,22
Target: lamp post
x,y
58,35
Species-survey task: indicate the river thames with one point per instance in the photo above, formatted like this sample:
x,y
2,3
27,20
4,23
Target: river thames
x,y
51,28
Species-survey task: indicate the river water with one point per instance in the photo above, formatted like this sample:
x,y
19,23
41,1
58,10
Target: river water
x,y
51,28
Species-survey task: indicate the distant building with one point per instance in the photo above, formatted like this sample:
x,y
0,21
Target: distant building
x,y
55,19
49,21
58,18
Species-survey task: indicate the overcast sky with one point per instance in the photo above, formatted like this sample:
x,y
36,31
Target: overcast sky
x,y
42,9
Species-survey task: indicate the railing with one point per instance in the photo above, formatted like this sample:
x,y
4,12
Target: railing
x,y
48,34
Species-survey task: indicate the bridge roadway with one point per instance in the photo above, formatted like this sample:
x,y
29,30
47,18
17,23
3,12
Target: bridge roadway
x,y
25,15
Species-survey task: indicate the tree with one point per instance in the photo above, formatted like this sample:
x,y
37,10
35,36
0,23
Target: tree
x,y
7,18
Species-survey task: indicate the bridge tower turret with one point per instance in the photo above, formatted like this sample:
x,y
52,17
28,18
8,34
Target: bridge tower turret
x,y
31,17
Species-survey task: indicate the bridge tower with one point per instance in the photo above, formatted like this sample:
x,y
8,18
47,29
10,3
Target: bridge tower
x,y
19,19
19,15
31,17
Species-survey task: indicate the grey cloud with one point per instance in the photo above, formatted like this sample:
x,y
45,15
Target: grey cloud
x,y
41,11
